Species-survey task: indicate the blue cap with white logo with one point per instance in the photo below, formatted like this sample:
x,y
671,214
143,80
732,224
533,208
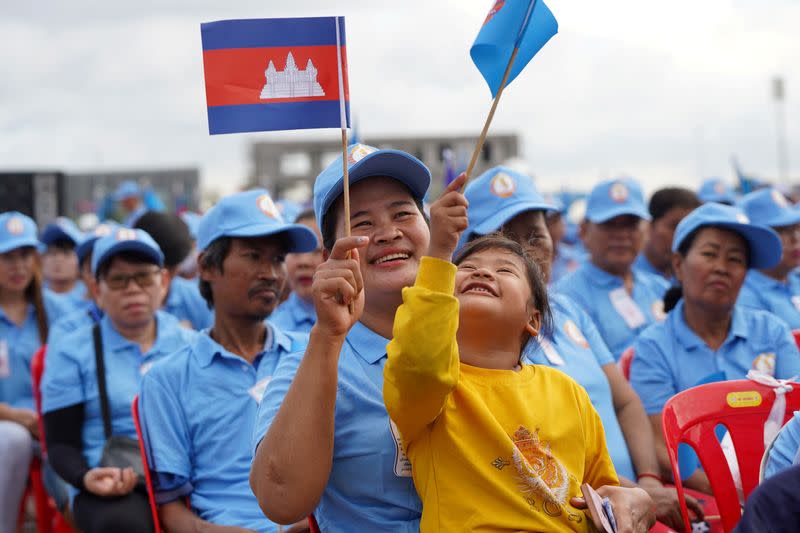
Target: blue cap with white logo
x,y
613,198
16,231
769,207
365,162
497,196
87,244
125,240
716,190
61,229
252,214
127,189
765,245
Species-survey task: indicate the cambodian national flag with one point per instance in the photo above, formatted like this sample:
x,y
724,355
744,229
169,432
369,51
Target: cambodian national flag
x,y
527,24
275,74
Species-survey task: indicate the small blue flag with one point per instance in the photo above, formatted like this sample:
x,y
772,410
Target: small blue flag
x,y
527,24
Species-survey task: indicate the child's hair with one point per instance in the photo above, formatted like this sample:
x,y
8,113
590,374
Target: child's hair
x,y
539,297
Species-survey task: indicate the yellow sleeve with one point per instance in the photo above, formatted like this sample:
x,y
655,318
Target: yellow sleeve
x,y
422,366
599,469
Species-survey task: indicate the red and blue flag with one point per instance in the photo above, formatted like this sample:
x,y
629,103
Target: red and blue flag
x,y
523,24
275,74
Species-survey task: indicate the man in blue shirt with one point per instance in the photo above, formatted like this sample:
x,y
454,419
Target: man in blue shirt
x,y
297,312
131,336
199,407
620,300
59,261
775,289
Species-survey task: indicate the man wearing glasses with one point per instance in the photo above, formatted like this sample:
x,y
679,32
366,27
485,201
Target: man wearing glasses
x,y
133,333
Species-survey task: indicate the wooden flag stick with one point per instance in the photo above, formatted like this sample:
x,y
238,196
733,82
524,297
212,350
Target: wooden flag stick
x,y
346,189
482,138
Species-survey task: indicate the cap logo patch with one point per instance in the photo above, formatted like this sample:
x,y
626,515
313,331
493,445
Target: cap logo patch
x,y
742,218
15,226
358,152
765,363
574,333
658,310
503,185
618,192
126,234
102,230
779,199
719,187
267,206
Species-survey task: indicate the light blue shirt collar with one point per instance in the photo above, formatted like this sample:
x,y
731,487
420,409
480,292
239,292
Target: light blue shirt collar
x,y
164,343
690,340
301,310
206,348
367,344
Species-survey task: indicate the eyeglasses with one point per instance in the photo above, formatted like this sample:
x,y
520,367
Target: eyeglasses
x,y
142,279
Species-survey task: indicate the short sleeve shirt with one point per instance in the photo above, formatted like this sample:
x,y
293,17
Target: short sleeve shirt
x,y
295,314
185,303
779,298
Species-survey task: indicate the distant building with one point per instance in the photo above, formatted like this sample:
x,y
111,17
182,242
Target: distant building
x,y
279,166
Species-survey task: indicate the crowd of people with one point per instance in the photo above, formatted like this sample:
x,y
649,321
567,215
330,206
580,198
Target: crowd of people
x,y
442,367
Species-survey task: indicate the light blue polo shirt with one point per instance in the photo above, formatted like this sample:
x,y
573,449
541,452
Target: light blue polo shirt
x,y
76,296
599,294
785,450
669,357
644,265
85,316
17,346
363,491
782,299
198,411
566,261
70,377
185,302
577,349
295,314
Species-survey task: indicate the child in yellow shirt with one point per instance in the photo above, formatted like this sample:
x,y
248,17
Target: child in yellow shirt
x,y
494,446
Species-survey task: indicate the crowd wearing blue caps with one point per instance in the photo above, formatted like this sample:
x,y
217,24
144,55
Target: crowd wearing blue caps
x,y
257,412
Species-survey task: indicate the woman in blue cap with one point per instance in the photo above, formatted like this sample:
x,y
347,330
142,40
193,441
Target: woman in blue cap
x,y
60,262
706,337
505,201
26,310
775,289
93,374
621,300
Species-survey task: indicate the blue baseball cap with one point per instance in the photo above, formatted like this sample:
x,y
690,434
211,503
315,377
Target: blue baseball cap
x,y
769,207
87,244
192,221
125,240
365,162
61,229
716,190
497,196
765,245
613,198
127,189
16,231
252,214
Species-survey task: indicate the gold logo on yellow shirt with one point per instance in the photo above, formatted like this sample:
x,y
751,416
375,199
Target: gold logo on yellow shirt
x,y
541,473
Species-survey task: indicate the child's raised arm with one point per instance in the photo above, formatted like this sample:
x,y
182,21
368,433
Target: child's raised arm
x,y
422,366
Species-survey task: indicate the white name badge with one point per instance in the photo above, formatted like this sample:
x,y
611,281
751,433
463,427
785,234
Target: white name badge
x,y
627,308
402,464
257,391
796,302
5,364
551,353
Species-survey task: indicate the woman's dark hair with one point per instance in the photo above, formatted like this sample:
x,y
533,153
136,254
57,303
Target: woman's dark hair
x,y
675,293
534,274
170,233
327,226
669,198
212,258
34,293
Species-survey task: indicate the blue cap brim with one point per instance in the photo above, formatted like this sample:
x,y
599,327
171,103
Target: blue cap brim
x,y
789,217
608,214
765,245
22,242
83,249
394,164
53,233
128,246
300,238
494,222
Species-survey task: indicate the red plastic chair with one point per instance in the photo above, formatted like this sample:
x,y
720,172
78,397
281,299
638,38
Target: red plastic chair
x,y
625,361
796,334
147,479
741,406
312,524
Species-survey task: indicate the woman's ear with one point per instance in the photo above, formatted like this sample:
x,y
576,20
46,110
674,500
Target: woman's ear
x,y
534,323
677,261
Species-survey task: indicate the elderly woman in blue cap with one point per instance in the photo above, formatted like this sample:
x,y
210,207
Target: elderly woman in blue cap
x,y
621,300
26,310
706,336
505,201
775,289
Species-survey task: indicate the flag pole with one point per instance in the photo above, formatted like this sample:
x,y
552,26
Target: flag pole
x,y
506,74
343,121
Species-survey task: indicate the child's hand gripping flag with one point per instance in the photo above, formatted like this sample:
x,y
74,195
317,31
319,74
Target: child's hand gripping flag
x,y
510,24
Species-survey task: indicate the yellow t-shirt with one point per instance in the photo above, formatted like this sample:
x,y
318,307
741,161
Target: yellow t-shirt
x,y
491,450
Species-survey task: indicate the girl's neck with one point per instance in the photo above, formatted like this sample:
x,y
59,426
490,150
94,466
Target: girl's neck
x,y
14,305
12,298
486,348
711,325
243,337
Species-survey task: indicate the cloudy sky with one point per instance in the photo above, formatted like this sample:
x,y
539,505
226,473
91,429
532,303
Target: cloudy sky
x,y
663,91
